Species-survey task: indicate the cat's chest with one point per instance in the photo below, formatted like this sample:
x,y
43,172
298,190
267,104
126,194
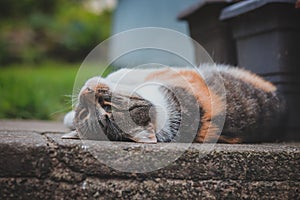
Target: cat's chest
x,y
161,105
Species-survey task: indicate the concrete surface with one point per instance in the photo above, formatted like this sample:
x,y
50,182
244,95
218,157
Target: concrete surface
x,y
37,164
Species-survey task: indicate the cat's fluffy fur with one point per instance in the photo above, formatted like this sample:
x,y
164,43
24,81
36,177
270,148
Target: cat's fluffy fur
x,y
161,98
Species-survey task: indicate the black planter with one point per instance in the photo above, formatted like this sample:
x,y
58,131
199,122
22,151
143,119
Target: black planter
x,y
267,35
206,28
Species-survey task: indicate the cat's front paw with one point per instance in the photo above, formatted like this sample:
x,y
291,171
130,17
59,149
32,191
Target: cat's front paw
x,y
68,120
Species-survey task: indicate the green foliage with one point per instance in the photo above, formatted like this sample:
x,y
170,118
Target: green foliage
x,y
36,93
75,31
40,92
32,30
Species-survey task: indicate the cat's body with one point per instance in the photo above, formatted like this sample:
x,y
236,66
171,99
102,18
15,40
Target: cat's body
x,y
179,104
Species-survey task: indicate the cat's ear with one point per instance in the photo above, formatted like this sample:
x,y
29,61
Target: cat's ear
x,y
144,137
71,135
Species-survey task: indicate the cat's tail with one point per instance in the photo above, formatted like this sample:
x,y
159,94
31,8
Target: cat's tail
x,y
69,120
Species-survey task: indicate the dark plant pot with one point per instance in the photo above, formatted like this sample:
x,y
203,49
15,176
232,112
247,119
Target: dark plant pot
x,y
267,35
206,28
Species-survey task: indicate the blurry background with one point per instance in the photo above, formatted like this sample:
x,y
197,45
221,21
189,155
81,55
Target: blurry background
x,y
42,44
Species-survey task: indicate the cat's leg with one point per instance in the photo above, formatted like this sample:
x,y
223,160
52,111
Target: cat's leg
x,y
143,134
229,140
68,122
210,133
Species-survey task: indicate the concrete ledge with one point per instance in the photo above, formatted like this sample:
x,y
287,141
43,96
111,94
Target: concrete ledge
x,y
40,165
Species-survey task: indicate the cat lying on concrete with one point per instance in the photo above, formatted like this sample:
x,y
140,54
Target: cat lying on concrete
x,y
149,105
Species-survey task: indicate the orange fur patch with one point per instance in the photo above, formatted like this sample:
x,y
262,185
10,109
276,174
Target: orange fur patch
x,y
190,80
252,79
101,86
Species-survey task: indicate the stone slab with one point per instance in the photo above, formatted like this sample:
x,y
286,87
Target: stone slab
x,y
23,154
255,162
38,164
32,125
93,188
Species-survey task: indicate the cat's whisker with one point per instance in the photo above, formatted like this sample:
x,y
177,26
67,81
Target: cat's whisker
x,y
68,99
75,94
68,105
61,111
72,100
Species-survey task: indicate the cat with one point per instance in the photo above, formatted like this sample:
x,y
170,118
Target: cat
x,y
150,106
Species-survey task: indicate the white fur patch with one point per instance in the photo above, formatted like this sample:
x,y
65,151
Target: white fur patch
x,y
68,120
150,91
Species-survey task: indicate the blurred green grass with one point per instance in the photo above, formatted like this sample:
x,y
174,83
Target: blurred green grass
x,y
39,91
36,92
47,36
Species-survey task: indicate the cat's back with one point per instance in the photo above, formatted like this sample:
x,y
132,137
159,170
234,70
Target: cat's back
x,y
254,109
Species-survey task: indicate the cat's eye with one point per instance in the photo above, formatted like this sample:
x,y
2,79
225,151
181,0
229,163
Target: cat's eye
x,y
88,89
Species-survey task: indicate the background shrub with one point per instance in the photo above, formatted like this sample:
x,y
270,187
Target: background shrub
x,y
38,39
34,30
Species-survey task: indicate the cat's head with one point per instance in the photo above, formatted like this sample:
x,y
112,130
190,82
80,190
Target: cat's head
x,y
104,113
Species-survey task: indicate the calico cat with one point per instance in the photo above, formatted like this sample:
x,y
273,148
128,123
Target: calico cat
x,y
150,105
